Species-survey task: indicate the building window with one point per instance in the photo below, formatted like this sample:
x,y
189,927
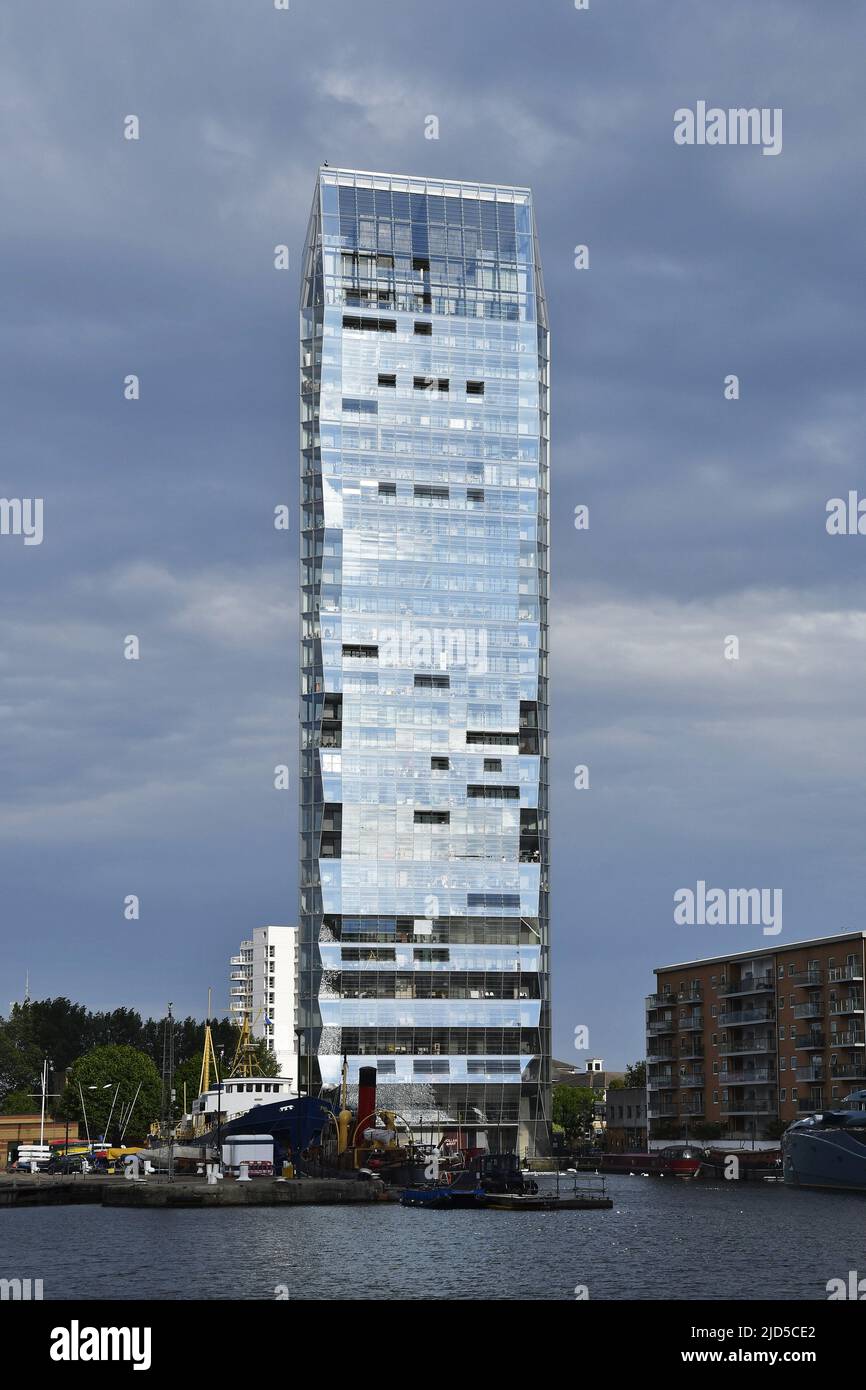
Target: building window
x,y
475,388
440,764
387,379
424,330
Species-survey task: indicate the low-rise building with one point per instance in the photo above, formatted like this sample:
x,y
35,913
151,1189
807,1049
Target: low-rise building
x,y
625,1119
744,1043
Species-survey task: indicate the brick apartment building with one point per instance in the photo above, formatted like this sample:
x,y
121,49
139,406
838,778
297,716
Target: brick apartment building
x,y
754,1040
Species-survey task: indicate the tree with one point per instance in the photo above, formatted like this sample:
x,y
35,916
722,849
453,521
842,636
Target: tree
x,y
573,1109
20,1068
635,1075
100,1073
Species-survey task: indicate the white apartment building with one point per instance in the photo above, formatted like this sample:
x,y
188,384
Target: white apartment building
x,y
263,984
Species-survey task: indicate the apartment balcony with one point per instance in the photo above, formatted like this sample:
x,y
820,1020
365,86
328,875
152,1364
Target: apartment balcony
x,y
664,1025
748,984
660,1083
659,1001
741,1017
854,1005
811,1074
693,1023
852,1039
691,1079
660,1054
814,1009
665,1109
235,960
747,1046
811,1105
693,995
849,1071
758,1076
694,1106
807,979
840,973
816,1041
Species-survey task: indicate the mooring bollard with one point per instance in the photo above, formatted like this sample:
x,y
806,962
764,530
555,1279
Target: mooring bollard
x,y
244,1173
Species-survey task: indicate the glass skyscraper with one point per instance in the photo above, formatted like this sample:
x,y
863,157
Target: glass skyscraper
x,y
424,585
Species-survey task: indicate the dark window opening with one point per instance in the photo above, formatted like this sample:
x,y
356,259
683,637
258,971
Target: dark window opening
x,y
330,846
388,489
369,325
331,735
475,494
475,388
430,490
421,264
432,817
387,378
424,330
440,764
529,726
360,649
443,383
485,793
432,682
529,843
493,739
492,764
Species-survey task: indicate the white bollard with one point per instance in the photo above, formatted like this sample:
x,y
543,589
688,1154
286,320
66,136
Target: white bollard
x,y
244,1173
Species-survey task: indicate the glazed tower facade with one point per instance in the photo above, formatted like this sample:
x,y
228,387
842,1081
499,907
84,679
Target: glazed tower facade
x,y
424,587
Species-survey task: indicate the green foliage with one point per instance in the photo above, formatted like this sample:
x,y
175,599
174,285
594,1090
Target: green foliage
x,y
573,1109
635,1075
21,1103
106,1069
20,1067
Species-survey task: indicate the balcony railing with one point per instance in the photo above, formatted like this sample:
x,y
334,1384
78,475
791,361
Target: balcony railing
x,y
660,1054
760,1076
807,979
692,1107
748,1045
813,1040
691,1023
845,972
690,1052
810,1105
854,1005
665,1025
660,1083
750,1107
692,1079
662,1110
748,984
811,1010
811,1074
736,1019
849,1071
852,1039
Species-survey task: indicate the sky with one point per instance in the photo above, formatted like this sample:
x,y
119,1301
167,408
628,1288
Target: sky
x,y
707,515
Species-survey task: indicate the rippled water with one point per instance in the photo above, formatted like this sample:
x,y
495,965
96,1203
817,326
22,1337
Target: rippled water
x,y
661,1239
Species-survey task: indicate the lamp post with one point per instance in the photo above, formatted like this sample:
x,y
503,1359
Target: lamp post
x,y
219,1111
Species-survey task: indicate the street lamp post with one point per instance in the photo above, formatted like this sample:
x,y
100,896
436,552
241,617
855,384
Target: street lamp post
x,y
219,1112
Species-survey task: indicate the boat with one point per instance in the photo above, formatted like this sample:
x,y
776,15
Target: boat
x,y
828,1149
675,1160
487,1175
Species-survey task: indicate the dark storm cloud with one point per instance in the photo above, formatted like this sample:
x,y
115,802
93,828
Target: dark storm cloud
x,y
707,517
